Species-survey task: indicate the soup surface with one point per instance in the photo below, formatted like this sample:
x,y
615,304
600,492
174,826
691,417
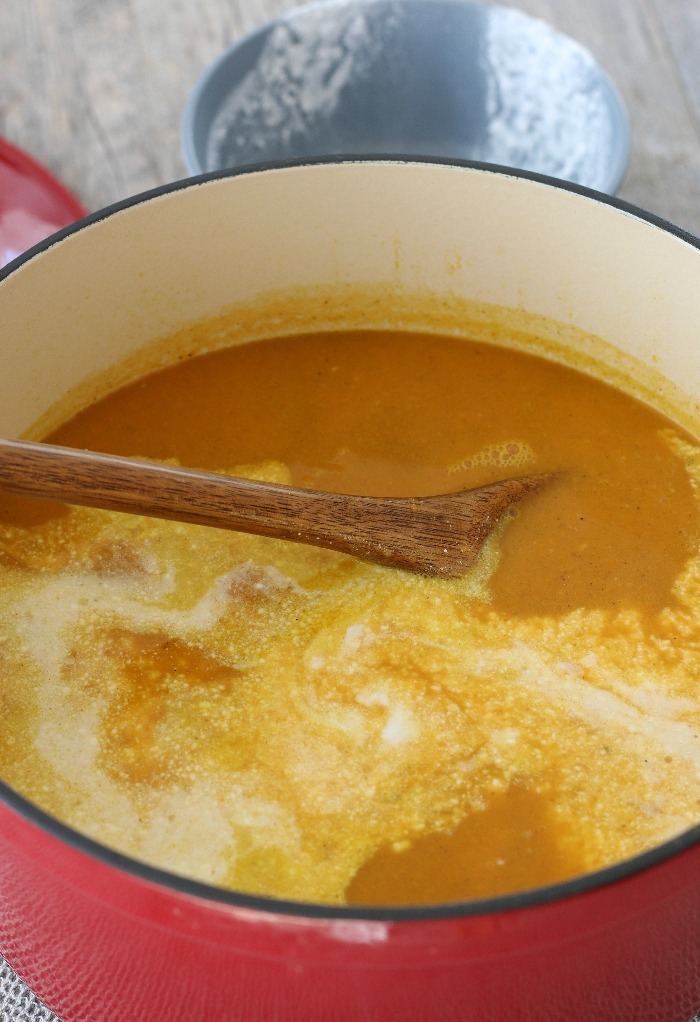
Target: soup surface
x,y
294,722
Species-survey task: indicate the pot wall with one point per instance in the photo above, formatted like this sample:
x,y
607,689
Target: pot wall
x,y
99,942
102,293
99,945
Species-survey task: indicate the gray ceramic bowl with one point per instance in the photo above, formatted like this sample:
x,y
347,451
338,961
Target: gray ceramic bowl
x,y
430,78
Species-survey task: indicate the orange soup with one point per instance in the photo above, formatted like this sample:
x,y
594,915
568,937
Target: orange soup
x,y
293,722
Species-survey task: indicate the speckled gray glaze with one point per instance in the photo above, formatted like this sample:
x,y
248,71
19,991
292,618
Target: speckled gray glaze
x,y
432,78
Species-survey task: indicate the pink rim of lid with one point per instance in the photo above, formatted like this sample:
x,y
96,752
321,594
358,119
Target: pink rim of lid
x,y
33,203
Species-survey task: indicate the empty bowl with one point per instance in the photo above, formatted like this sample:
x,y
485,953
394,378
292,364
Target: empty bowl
x,y
427,78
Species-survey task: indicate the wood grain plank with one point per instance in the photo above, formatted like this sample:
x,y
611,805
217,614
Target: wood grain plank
x,y
96,90
681,23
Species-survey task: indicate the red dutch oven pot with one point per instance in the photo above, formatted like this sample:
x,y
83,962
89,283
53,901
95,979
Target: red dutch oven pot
x,y
102,938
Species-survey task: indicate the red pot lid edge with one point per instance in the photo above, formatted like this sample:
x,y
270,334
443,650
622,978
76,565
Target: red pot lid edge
x,y
33,203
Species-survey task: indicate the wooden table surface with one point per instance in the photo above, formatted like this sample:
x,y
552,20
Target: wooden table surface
x,y
94,89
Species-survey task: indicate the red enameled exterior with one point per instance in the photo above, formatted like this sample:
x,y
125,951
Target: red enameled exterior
x,y
102,944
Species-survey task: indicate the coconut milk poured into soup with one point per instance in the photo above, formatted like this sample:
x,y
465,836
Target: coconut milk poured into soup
x,y
293,722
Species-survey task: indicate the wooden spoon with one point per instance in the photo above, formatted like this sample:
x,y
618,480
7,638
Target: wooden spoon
x,y
439,535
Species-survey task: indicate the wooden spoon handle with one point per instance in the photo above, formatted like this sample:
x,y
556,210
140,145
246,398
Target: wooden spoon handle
x,y
438,535
164,491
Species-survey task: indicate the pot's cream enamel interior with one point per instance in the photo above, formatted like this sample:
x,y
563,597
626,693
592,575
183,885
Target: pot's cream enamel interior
x,y
101,295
